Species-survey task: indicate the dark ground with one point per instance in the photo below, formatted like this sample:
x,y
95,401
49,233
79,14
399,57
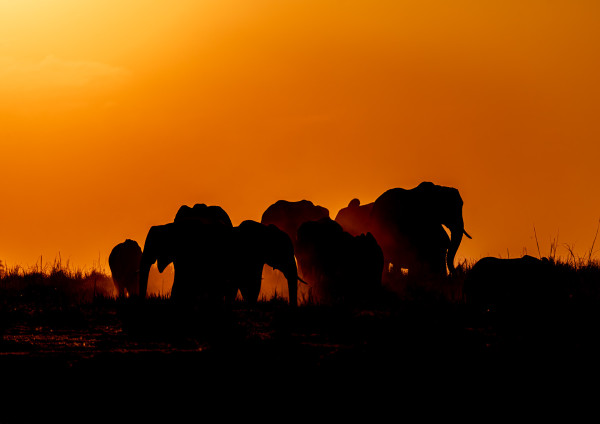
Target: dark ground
x,y
108,352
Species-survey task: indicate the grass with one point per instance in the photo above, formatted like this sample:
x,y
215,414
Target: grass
x,y
59,282
409,317
55,281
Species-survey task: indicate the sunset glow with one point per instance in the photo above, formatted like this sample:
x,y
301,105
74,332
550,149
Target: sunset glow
x,y
115,113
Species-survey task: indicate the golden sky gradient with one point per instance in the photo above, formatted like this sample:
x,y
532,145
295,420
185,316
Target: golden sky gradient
x,y
113,113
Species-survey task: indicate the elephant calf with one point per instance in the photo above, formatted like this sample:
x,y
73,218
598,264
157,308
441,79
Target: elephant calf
x,y
339,266
124,262
252,246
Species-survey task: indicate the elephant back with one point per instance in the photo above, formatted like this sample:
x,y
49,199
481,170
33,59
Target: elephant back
x,y
204,214
127,252
518,285
124,263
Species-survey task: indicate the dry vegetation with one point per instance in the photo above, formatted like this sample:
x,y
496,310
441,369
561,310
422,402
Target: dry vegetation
x,y
53,283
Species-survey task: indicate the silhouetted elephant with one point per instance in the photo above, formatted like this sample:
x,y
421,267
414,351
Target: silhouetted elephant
x,y
252,246
288,216
525,284
407,224
124,262
339,266
195,243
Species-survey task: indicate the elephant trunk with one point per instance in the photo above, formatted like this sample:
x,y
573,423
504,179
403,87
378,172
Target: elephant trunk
x,y
291,275
455,239
145,265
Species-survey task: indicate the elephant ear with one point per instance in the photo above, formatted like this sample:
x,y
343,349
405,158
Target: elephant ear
x,y
163,262
159,246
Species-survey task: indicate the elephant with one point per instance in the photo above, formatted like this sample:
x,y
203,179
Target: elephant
x,y
124,262
341,267
409,227
288,216
525,284
253,245
195,242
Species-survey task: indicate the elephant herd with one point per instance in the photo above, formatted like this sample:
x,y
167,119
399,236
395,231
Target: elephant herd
x,y
344,259
212,258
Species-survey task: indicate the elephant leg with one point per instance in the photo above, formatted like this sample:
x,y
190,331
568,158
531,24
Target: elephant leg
x,y
120,289
250,294
435,262
251,288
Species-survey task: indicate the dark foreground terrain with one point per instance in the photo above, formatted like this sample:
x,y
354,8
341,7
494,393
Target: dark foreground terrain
x,y
82,346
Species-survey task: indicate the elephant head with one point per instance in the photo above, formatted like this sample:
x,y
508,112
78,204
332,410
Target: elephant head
x,y
256,244
288,216
408,224
445,205
160,247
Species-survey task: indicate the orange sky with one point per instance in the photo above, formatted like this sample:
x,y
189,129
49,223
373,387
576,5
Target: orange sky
x,y
113,113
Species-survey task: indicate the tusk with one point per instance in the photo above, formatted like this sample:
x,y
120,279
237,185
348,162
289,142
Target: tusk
x,y
302,281
466,234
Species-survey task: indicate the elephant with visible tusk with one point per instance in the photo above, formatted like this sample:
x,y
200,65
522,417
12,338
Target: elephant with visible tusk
x,y
409,226
407,222
288,216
